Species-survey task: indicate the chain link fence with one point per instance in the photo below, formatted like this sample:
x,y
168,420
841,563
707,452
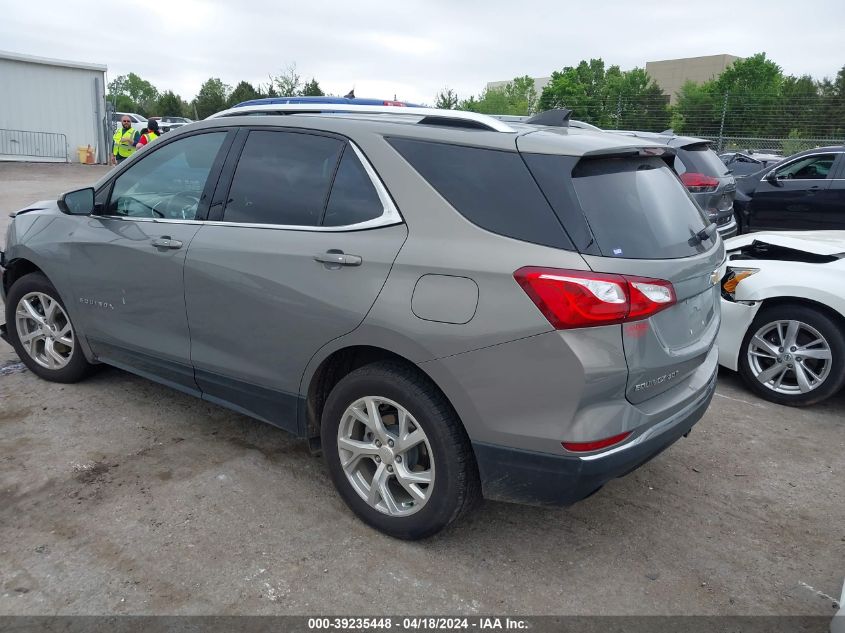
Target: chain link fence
x,y
760,122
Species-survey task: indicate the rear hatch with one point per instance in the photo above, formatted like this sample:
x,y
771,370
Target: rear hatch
x,y
708,180
644,224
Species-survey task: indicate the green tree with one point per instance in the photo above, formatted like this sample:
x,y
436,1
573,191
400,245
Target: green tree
x,y
607,97
244,91
312,89
832,109
698,110
517,97
748,96
522,94
446,99
169,104
142,93
491,101
288,83
211,98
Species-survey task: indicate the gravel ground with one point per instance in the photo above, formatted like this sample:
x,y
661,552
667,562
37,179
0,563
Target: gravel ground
x,y
118,495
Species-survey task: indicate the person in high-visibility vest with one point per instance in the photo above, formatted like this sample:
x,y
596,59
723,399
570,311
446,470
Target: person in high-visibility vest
x,y
151,134
124,141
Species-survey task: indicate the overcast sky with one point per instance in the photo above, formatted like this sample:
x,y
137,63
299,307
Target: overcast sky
x,y
412,48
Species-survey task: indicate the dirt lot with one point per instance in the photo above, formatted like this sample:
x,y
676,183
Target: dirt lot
x,y
121,496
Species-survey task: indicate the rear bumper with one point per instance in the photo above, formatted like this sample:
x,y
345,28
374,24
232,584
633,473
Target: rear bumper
x,y
728,230
530,477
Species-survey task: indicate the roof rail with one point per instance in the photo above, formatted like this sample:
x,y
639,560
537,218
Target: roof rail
x,y
432,116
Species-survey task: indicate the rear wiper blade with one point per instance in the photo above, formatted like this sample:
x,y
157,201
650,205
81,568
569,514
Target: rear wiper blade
x,y
704,234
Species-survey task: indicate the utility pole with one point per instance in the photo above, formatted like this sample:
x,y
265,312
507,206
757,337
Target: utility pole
x,y
722,124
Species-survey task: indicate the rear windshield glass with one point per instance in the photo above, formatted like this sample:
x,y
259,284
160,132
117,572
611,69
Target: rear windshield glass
x,y
700,159
637,209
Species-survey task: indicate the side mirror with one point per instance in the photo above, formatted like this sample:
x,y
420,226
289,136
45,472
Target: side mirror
x,y
772,179
79,202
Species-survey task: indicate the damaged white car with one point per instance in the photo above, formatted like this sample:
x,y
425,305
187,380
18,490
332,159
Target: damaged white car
x,y
783,314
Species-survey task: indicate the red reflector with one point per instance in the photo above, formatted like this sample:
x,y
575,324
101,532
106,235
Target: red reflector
x,y
583,447
398,104
699,183
575,298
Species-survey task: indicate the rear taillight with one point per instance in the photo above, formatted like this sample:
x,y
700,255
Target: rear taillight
x,y
574,298
583,447
699,183
398,104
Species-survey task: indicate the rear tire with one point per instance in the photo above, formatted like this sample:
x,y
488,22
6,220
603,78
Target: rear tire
x,y
50,347
793,355
409,470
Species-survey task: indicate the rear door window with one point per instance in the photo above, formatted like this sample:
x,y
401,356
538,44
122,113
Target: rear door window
x,y
492,189
282,178
700,159
637,208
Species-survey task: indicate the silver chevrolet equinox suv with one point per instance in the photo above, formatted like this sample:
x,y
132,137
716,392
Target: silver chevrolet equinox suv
x,y
448,305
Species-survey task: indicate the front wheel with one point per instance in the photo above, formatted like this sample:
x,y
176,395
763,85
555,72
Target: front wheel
x,y
396,451
41,332
793,355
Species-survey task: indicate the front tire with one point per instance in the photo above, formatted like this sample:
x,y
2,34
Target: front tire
x,y
397,452
41,332
793,355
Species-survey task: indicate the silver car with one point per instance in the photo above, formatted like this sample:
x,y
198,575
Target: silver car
x,y
449,306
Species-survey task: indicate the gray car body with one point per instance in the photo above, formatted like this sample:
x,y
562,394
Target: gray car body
x,y
224,319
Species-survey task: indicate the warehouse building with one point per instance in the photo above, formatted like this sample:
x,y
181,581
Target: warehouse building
x,y
49,108
672,74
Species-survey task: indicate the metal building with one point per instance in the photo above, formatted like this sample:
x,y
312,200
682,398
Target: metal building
x,y
672,74
49,108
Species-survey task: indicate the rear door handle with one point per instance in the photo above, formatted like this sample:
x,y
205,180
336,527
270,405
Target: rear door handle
x,y
338,258
165,242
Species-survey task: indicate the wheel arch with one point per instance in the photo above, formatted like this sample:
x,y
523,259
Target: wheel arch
x,y
16,269
19,267
833,314
330,369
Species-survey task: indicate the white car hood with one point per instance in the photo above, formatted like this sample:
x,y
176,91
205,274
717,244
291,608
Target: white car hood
x,y
816,242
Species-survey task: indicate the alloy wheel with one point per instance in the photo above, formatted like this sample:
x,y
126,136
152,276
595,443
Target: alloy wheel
x,y
789,357
44,330
386,456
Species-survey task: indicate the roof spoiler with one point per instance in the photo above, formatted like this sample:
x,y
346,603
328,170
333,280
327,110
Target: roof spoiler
x,y
559,117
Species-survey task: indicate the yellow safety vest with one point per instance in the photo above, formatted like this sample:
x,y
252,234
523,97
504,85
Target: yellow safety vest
x,y
151,136
121,149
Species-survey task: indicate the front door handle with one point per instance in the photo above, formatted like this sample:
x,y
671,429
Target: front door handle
x,y
338,258
812,190
165,242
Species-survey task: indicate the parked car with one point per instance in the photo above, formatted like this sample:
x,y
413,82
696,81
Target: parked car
x,y
745,163
784,314
167,123
138,122
803,192
704,174
446,304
